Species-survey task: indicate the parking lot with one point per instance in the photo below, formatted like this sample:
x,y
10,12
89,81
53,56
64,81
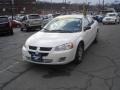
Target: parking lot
x,y
100,69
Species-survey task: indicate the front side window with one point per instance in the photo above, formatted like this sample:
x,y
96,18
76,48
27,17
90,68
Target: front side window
x,y
85,22
64,25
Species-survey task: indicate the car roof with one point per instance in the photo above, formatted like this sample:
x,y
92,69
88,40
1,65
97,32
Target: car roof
x,y
70,16
4,16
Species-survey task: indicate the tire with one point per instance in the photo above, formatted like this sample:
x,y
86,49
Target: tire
x,y
96,37
79,54
116,22
28,29
25,27
21,29
11,32
103,23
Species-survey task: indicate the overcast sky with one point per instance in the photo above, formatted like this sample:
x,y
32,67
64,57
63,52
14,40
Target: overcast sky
x,y
81,1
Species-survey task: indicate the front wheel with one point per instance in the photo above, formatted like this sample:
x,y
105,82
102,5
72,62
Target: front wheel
x,y
79,54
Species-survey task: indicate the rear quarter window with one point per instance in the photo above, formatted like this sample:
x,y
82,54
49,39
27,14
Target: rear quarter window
x,y
90,19
34,16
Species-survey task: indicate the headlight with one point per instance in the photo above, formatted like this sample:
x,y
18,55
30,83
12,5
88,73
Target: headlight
x,y
63,47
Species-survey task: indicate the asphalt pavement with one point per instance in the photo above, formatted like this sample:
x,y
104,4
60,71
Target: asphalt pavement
x,y
100,69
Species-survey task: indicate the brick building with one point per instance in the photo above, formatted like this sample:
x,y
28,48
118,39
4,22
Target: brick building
x,y
19,6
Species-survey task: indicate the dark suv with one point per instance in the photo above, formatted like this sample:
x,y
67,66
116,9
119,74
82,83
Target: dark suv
x,y
5,25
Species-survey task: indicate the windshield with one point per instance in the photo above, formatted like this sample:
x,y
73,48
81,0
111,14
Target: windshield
x,y
34,16
111,15
68,25
3,19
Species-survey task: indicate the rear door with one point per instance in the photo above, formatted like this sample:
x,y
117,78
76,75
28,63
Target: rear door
x,y
87,34
94,26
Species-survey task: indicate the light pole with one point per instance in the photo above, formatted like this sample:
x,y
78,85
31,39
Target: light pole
x,y
103,4
51,7
4,9
12,8
99,6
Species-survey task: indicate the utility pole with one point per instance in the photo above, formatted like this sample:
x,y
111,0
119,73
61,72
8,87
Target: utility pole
x,y
99,7
12,8
51,7
85,7
103,4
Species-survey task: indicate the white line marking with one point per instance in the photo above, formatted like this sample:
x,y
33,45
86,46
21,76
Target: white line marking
x,y
9,67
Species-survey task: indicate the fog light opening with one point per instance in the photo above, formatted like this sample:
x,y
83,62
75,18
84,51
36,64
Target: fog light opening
x,y
62,59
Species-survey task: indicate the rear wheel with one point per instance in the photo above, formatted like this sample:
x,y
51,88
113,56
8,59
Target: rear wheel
x,y
116,22
79,54
21,29
11,32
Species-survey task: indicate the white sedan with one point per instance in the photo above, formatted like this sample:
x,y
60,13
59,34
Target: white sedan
x,y
62,40
111,18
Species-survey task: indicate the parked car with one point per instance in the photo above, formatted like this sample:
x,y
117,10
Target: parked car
x,y
5,25
119,14
46,19
16,24
31,21
99,18
62,40
111,18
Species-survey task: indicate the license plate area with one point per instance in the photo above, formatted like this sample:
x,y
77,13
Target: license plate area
x,y
108,19
36,57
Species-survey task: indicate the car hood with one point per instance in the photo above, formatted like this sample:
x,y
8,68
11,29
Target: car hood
x,y
43,39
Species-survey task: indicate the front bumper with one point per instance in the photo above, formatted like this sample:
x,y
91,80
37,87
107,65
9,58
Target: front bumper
x,y
109,21
53,57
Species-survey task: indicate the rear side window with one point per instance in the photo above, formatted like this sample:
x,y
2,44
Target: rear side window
x,y
34,16
91,21
85,22
3,19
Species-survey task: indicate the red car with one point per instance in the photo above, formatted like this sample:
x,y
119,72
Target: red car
x,y
16,24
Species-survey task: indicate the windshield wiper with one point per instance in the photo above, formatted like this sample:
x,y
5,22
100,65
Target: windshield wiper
x,y
54,31
61,31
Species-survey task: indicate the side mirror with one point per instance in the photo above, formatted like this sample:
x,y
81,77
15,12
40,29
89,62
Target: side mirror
x,y
87,28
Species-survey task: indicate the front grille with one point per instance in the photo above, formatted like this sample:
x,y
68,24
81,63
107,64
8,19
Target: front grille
x,y
32,47
42,54
45,48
